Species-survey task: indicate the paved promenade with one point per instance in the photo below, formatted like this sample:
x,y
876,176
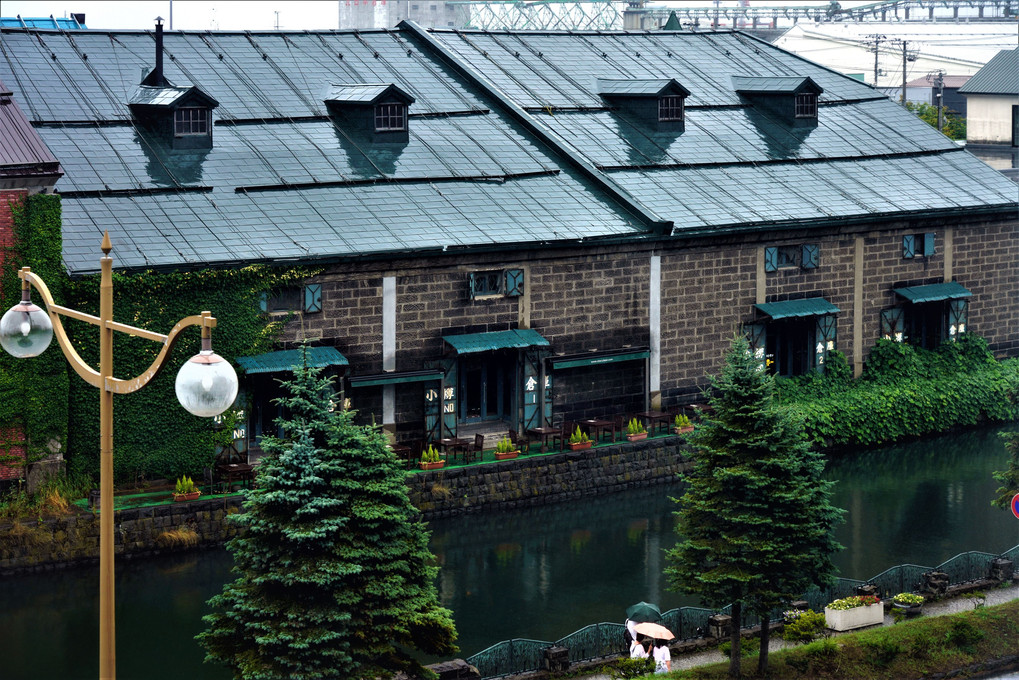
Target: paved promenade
x,y
953,605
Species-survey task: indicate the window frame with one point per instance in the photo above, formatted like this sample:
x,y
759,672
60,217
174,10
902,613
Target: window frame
x,y
494,276
194,118
805,105
384,115
671,108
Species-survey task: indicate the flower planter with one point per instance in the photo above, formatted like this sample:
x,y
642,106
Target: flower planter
x,y
506,455
580,446
640,436
857,617
432,466
682,430
181,497
908,609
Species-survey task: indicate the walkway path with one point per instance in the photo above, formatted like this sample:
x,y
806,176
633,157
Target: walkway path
x,y
954,605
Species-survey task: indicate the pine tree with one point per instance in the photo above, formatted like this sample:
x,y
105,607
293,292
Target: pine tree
x,y
1009,477
334,575
755,522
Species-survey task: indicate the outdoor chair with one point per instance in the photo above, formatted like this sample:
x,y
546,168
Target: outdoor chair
x,y
211,483
521,443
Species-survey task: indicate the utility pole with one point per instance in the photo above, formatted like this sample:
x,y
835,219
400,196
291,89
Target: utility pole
x,y
904,43
940,83
877,49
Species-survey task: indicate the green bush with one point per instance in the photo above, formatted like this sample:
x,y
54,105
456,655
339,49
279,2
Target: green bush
x,y
964,635
748,647
881,651
804,627
632,668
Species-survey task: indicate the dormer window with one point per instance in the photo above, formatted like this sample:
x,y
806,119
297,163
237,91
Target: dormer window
x,y
390,117
657,102
789,98
380,110
806,105
191,120
670,108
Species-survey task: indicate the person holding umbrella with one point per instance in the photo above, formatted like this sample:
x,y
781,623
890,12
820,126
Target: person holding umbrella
x,y
637,650
663,659
639,613
661,636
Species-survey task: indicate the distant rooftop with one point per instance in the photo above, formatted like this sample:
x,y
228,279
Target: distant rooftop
x,y
73,22
999,76
929,80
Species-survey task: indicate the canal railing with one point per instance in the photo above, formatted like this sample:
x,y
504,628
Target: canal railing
x,y
600,640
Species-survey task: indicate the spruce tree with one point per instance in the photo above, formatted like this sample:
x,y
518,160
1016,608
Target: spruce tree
x,y
1009,477
334,575
755,522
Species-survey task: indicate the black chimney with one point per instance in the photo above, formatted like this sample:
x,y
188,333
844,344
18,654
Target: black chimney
x,y
158,73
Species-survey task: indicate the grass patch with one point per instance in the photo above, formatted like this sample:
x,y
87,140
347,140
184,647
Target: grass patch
x,y
181,537
52,500
913,649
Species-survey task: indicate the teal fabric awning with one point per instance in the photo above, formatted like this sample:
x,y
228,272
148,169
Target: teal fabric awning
x,y
934,292
394,378
794,308
598,358
486,342
287,359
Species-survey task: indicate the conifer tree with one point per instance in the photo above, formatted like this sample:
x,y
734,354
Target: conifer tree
x,y
334,575
1009,477
755,522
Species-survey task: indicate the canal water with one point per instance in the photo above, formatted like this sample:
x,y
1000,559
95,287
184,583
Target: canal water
x,y
537,573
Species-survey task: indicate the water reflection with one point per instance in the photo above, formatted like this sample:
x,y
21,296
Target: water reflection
x,y
537,573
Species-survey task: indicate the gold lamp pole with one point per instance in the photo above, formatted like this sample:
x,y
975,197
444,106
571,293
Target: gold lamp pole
x,y
206,386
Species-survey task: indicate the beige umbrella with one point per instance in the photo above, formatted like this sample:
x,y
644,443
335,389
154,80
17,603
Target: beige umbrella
x,y
653,630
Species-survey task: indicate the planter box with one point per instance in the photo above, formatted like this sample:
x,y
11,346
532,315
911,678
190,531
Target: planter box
x,y
181,497
580,446
908,609
636,437
857,617
508,455
682,430
432,466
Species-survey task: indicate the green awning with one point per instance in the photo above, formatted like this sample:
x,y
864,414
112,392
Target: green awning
x,y
795,308
486,342
287,359
394,378
598,358
934,292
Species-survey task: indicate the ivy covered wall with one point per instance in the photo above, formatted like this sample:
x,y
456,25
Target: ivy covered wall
x,y
33,392
153,435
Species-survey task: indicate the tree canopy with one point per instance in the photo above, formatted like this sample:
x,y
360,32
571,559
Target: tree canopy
x,y
334,576
755,522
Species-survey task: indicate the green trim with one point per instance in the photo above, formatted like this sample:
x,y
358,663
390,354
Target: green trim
x,y
933,292
817,306
394,378
286,360
598,358
518,338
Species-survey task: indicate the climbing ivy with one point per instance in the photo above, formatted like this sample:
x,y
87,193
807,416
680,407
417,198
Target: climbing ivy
x,y
153,435
33,392
906,391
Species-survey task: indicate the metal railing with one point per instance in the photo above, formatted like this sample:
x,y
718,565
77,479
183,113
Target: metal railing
x,y
600,640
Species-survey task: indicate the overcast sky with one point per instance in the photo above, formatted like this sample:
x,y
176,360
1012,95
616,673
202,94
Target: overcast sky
x,y
255,15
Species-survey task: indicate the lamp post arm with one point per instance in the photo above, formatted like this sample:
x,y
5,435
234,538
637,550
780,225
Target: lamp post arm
x,y
88,374
126,386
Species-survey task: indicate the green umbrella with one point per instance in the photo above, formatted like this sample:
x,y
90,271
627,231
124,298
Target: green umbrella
x,y
643,611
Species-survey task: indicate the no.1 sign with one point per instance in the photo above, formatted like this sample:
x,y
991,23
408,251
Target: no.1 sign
x,y
1015,505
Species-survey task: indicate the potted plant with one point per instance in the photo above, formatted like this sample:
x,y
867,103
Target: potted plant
x,y
579,440
635,430
504,449
855,611
430,459
682,424
185,490
909,604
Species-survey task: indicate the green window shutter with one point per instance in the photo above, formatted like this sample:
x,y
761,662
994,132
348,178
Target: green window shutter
x,y
893,323
928,244
958,311
514,283
908,247
811,256
313,298
771,259
263,302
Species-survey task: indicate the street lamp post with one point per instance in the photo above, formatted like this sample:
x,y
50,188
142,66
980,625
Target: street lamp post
x,y
206,385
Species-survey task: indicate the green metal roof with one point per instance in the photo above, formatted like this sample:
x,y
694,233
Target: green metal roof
x,y
364,93
288,359
933,292
598,358
394,378
485,342
639,87
998,76
795,308
774,84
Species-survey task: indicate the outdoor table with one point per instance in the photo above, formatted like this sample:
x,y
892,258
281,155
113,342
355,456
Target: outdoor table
x,y
402,453
450,445
597,427
653,418
236,472
544,433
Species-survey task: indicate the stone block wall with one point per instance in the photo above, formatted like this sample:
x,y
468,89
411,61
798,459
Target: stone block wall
x,y
74,539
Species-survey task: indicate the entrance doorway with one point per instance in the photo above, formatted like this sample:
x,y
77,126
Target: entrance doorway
x,y
487,386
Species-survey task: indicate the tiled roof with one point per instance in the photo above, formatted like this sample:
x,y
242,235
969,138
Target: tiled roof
x,y
22,151
930,80
998,76
66,24
634,88
773,85
362,93
147,95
